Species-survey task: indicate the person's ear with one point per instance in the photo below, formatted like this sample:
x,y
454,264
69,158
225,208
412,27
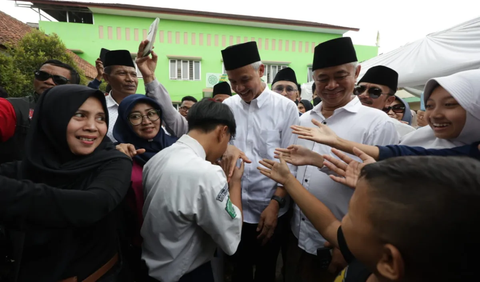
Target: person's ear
x,y
261,70
106,78
357,72
221,133
391,264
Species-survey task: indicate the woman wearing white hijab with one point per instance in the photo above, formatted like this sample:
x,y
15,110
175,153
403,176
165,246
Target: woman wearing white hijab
x,y
452,110
452,105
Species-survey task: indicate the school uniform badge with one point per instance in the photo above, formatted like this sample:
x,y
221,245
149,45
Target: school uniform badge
x,y
230,209
221,195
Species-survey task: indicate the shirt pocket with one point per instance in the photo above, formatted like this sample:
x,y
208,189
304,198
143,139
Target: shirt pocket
x,y
270,140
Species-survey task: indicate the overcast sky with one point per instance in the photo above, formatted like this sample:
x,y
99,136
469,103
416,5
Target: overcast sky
x,y
399,22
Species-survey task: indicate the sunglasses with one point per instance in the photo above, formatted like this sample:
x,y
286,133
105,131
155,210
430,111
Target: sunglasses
x,y
279,89
57,79
373,92
398,109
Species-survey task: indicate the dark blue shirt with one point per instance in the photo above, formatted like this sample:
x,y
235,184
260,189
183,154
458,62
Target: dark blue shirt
x,y
391,151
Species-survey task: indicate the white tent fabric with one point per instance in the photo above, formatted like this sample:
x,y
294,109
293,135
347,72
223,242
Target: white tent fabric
x,y
438,54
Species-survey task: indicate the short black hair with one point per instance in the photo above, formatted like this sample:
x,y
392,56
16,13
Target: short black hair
x,y
3,92
299,87
74,76
189,98
207,114
313,87
428,207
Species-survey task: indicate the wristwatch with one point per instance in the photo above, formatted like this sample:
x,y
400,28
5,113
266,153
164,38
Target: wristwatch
x,y
280,200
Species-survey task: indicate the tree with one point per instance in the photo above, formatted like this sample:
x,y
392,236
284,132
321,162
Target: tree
x,y
19,61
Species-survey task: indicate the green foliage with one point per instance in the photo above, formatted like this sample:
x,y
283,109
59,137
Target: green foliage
x,y
19,61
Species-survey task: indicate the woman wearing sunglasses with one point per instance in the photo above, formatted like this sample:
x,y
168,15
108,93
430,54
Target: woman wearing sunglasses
x,y
138,129
65,229
399,110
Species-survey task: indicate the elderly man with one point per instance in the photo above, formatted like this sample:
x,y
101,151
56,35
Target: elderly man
x,y
377,90
285,83
221,91
335,69
263,123
16,113
120,73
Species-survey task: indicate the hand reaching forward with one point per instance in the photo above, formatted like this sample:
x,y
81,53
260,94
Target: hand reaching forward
x,y
299,155
348,169
321,134
129,150
277,171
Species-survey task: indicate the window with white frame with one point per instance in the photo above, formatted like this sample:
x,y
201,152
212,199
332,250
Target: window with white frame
x,y
309,74
271,71
185,70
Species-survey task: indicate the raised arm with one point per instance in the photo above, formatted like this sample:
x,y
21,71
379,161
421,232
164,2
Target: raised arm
x,y
157,91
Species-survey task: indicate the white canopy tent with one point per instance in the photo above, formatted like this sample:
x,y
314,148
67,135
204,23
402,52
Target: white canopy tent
x,y
438,54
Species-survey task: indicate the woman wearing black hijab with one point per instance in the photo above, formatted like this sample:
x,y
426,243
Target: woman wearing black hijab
x,y
304,106
65,229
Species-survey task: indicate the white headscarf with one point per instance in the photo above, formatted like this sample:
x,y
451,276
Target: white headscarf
x,y
465,88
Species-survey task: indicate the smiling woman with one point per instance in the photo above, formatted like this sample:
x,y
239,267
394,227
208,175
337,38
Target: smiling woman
x,y
70,218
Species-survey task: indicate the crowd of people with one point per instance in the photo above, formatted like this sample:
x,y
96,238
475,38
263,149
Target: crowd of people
x,y
351,186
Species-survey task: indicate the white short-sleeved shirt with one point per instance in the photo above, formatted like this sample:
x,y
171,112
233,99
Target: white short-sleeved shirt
x,y
353,122
187,211
262,126
112,107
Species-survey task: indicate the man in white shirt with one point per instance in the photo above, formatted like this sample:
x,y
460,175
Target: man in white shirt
x,y
377,89
190,209
335,69
120,73
263,123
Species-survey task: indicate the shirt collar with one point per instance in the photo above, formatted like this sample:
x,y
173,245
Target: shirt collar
x,y
194,145
110,101
353,107
262,98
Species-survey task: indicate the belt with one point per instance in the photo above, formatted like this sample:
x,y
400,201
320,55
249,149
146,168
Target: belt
x,y
97,274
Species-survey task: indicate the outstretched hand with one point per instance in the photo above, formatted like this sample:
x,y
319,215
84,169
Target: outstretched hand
x,y
320,134
230,158
299,155
129,150
347,168
277,171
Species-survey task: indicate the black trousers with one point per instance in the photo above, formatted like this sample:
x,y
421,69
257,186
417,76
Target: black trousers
x,y
203,273
251,253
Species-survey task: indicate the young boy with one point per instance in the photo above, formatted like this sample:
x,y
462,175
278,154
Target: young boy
x,y
410,219
190,209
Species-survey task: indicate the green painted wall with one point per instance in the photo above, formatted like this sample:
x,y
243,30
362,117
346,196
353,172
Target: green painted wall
x,y
86,37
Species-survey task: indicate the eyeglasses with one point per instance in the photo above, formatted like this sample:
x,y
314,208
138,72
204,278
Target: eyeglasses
x,y
184,108
279,89
396,109
57,79
137,118
373,92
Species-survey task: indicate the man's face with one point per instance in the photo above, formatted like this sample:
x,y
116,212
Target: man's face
x,y
185,107
220,97
122,79
41,86
247,82
381,102
334,85
287,89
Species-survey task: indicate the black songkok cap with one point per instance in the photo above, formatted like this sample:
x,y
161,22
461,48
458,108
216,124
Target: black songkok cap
x,y
286,74
222,88
381,75
240,55
118,58
334,52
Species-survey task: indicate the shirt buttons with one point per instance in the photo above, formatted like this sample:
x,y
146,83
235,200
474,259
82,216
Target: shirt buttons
x,y
303,218
324,122
306,180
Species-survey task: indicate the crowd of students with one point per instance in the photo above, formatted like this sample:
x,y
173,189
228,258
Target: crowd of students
x,y
121,186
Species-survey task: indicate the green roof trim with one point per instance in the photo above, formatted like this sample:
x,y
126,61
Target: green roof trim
x,y
411,99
